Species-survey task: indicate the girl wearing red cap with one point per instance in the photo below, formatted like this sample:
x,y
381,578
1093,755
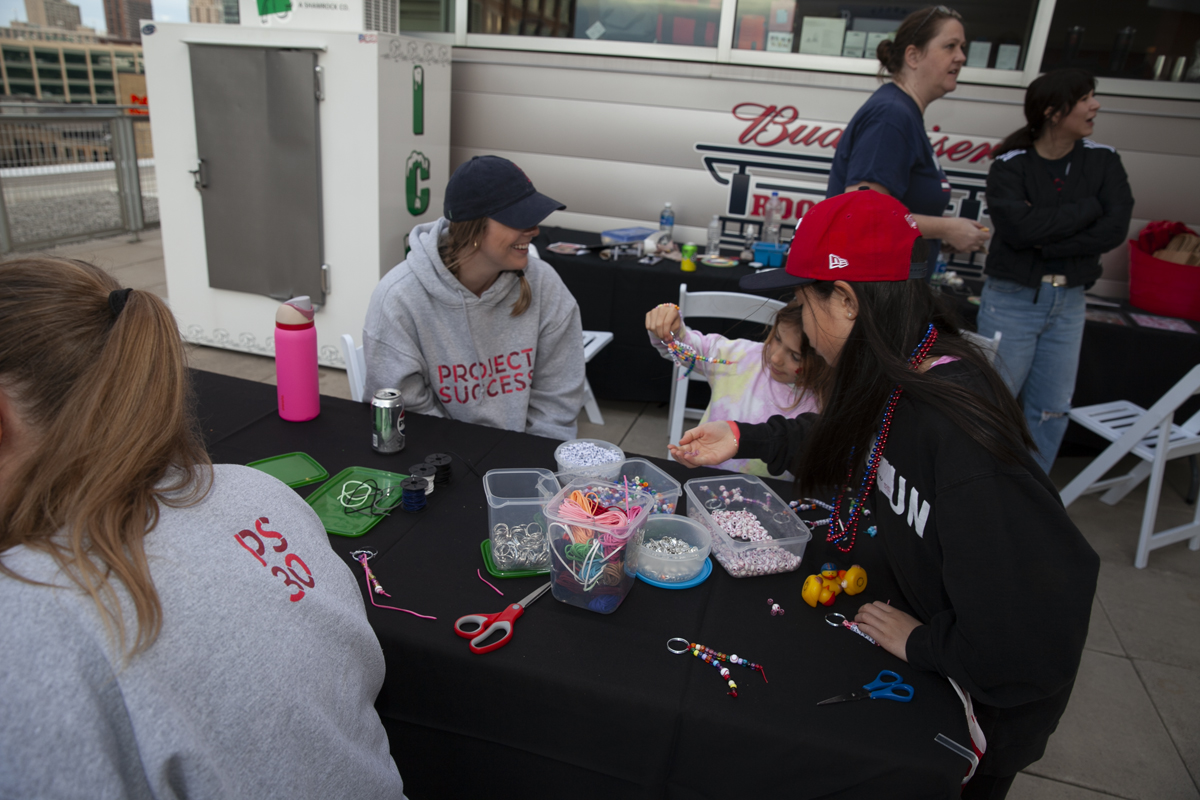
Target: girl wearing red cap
x,y
920,425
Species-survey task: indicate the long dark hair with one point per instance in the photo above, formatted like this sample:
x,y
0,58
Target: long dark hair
x,y
1056,92
916,30
892,319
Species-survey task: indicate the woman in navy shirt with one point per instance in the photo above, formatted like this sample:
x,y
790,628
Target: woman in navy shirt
x,y
885,146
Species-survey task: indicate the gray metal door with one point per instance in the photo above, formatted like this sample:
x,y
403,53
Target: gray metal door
x,y
259,175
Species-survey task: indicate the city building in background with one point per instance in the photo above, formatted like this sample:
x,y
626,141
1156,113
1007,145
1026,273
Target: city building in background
x,y
104,74
123,18
53,14
208,11
232,15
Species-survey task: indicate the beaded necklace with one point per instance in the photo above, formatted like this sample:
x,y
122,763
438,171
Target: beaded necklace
x,y
687,356
841,534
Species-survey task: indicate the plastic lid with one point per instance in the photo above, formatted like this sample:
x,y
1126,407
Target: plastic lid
x,y
667,205
774,194
297,311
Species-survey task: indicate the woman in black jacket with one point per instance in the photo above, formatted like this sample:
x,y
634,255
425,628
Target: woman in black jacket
x,y
996,582
1058,201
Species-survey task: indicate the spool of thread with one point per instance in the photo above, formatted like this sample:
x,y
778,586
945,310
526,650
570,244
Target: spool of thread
x,y
413,498
426,473
441,462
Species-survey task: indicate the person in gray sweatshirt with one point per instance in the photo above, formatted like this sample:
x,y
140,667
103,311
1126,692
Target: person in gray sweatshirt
x,y
471,326
171,629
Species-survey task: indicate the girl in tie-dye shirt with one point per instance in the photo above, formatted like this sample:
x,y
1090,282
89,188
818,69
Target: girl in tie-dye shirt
x,y
781,375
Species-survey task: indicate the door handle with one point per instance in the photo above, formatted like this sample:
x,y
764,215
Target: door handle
x,y
200,174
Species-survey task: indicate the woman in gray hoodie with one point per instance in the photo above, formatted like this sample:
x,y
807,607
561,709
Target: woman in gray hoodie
x,y
470,326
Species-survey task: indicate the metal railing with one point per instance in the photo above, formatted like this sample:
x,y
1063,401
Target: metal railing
x,y
72,172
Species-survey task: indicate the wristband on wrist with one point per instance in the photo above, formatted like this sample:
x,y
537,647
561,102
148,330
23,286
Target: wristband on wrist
x,y
737,434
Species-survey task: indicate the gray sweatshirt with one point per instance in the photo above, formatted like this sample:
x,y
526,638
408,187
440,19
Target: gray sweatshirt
x,y
452,354
259,685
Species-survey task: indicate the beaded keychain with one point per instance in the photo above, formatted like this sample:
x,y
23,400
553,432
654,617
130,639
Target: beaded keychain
x,y
850,528
711,656
687,356
373,585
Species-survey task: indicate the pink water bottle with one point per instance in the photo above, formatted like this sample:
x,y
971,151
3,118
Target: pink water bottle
x,y
296,360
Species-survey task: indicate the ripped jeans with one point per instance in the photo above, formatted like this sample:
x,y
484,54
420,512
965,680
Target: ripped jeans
x,y
1039,352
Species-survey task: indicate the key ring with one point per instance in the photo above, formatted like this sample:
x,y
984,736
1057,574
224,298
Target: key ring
x,y
686,645
835,619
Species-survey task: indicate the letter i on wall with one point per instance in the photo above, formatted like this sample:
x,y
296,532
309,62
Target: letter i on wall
x,y
418,100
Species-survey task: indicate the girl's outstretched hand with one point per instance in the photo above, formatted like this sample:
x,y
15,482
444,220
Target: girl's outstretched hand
x,y
711,443
664,322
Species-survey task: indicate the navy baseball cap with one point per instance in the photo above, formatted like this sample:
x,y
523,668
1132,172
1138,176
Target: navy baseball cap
x,y
494,187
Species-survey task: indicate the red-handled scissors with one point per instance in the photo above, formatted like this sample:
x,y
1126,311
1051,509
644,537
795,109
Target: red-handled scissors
x,y
490,623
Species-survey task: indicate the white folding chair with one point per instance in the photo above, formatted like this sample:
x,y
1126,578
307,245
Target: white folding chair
x,y
356,368
1151,436
713,305
988,346
593,342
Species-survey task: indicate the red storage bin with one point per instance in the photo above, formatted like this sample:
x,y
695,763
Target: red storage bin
x,y
1162,287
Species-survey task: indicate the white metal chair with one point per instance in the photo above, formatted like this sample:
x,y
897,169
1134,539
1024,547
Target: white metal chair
x,y
593,343
356,370
989,346
1151,436
713,305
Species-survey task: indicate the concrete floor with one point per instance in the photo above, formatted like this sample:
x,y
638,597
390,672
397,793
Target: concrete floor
x,y
1132,729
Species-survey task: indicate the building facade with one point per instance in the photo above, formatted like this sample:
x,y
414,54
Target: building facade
x,y
123,18
207,11
103,74
53,14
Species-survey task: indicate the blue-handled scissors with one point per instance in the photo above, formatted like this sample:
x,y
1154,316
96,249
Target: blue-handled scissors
x,y
886,686
490,623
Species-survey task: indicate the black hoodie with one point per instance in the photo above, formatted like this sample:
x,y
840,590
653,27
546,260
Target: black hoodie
x,y
987,559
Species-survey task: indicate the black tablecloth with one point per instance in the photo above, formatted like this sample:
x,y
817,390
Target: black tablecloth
x,y
1115,362
615,296
584,705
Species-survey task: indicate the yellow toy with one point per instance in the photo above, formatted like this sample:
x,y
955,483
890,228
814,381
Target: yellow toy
x,y
825,586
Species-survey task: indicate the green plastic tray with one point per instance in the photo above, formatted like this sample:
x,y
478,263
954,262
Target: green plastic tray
x,y
490,566
294,469
325,500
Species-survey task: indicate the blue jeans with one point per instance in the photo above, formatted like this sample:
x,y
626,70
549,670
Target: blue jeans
x,y
1039,352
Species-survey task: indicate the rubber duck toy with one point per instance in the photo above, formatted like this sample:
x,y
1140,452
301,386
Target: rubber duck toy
x,y
825,586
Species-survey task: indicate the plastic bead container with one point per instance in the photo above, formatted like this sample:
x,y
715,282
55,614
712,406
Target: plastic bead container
x,y
515,498
644,477
666,567
788,534
607,471
594,566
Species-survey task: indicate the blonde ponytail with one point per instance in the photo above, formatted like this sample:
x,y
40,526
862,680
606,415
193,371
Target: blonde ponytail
x,y
105,391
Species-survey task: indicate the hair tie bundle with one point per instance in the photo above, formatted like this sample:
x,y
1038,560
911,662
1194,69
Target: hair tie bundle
x,y
117,299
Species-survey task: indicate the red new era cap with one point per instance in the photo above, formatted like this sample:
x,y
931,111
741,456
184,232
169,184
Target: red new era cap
x,y
857,236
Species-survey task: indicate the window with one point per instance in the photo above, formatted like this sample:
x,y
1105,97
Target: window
x,y
427,15
694,22
998,34
1153,40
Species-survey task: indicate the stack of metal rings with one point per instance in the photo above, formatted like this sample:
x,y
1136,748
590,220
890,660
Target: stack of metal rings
x,y
520,547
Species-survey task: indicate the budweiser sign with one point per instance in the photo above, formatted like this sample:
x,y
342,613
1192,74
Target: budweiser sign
x,y
775,126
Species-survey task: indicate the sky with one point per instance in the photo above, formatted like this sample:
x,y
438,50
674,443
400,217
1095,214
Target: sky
x,y
92,11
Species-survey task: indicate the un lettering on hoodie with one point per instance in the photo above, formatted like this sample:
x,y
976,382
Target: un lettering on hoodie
x,y
452,354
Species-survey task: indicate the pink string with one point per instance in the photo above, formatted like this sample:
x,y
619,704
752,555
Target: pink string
x,y
489,583
367,576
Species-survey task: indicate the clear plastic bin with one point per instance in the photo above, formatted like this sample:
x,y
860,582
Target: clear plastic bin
x,y
516,525
594,566
642,476
667,567
607,471
789,535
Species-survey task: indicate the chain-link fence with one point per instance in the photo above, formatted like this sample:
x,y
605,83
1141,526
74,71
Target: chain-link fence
x,y
74,173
